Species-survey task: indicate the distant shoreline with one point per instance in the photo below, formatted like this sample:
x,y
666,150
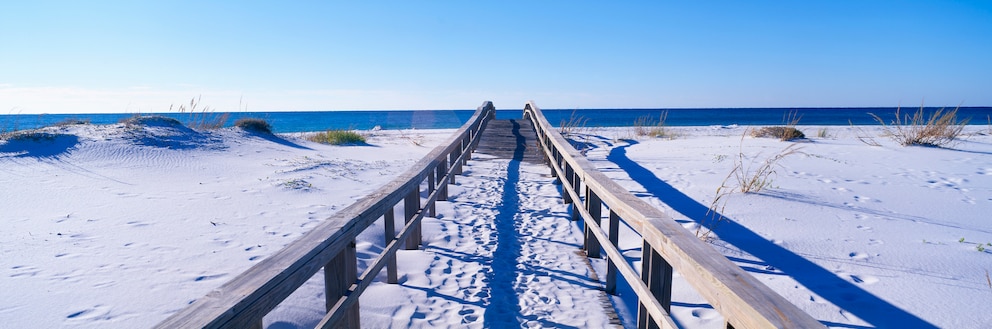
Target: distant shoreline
x,y
291,122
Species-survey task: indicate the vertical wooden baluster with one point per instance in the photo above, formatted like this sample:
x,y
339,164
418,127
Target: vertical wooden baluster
x,y
611,269
442,169
577,188
657,274
339,274
390,222
411,205
594,207
456,169
431,209
568,178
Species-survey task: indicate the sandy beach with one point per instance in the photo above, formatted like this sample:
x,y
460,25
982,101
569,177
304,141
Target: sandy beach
x,y
120,226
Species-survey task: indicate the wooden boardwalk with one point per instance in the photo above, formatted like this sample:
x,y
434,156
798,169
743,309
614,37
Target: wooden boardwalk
x,y
511,139
742,300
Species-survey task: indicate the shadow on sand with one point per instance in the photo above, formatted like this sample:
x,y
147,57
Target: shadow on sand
x,y
40,145
820,281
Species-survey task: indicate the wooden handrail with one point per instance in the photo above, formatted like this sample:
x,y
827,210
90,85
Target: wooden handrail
x,y
739,297
246,299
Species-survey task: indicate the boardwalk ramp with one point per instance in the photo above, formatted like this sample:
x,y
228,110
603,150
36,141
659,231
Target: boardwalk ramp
x,y
502,252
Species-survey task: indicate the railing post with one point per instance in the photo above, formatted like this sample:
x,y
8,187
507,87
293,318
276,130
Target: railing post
x,y
568,178
594,207
456,168
339,274
389,219
611,269
442,169
411,205
657,274
431,209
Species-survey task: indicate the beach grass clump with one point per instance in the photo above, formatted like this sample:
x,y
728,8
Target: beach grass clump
x,y
782,133
574,123
786,132
939,129
754,176
201,117
750,176
337,137
254,125
648,126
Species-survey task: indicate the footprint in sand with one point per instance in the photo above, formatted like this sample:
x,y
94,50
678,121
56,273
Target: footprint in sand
x,y
89,313
705,313
864,199
857,255
864,279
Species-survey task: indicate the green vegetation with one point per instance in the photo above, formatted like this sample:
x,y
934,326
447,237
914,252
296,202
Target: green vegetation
x,y
337,137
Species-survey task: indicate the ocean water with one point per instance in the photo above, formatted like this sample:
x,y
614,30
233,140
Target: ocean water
x,y
438,119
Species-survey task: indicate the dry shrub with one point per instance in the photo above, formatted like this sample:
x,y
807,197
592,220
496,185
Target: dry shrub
x,y
787,132
783,133
751,176
254,125
937,130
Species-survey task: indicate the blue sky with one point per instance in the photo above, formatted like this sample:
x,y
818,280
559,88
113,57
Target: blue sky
x,y
142,56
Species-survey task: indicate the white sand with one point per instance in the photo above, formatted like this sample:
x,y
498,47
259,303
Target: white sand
x,y
107,226
856,235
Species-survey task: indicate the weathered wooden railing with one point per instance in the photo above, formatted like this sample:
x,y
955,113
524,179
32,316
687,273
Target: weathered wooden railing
x,y
740,298
242,302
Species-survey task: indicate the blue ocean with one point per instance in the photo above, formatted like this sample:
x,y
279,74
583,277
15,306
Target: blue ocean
x,y
286,122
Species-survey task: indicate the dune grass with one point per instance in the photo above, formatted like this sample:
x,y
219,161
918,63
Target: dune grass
x,y
750,176
786,132
201,117
337,137
939,129
647,126
574,123
254,125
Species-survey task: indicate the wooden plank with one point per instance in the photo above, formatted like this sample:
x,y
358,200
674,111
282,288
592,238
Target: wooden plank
x,y
339,274
611,268
442,184
389,219
594,207
430,189
411,206
731,291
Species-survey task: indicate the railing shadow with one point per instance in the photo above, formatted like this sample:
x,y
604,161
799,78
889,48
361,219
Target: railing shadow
x,y
824,283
